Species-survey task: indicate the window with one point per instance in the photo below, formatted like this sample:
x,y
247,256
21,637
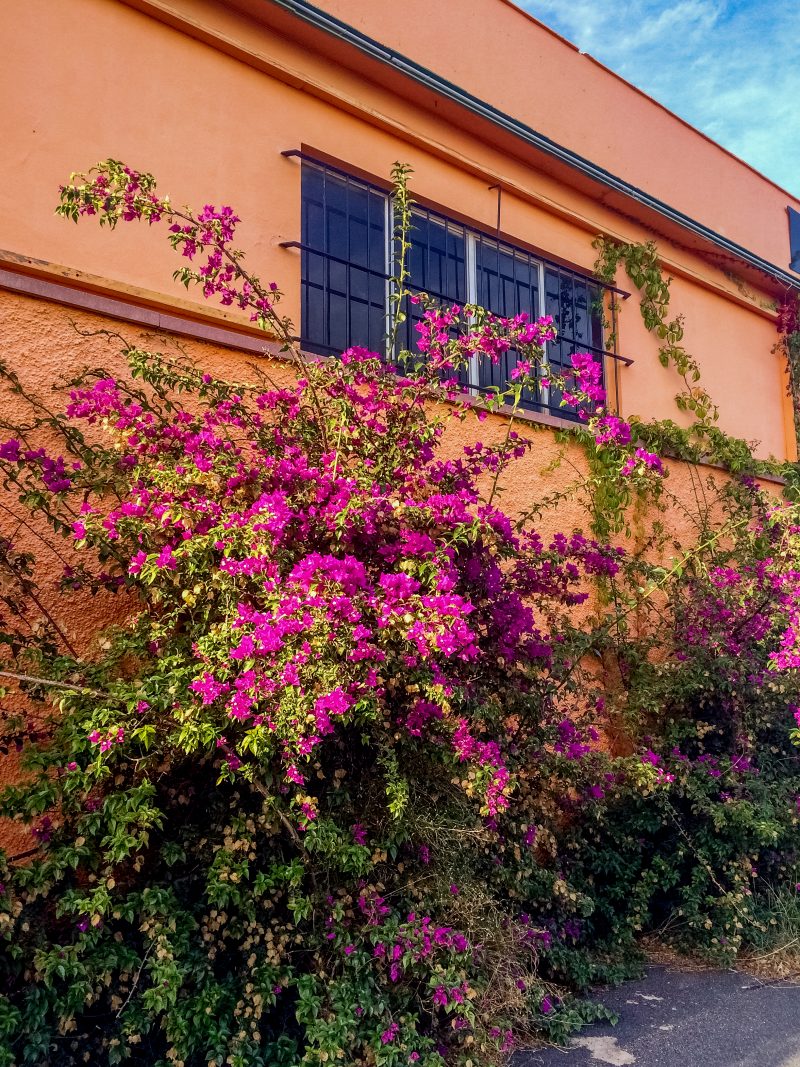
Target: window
x,y
794,238
346,251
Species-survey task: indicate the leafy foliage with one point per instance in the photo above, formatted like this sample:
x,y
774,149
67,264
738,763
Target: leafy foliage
x,y
368,770
641,262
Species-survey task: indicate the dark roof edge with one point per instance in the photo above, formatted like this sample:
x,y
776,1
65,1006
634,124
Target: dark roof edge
x,y
334,26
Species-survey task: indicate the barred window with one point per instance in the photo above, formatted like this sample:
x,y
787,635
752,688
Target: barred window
x,y
344,277
346,271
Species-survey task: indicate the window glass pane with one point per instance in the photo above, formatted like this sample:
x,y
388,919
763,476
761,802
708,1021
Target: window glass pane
x,y
507,285
313,295
576,306
343,288
337,321
377,231
358,225
337,277
552,297
346,235
596,316
436,280
437,265
581,329
437,258
417,262
566,305
312,207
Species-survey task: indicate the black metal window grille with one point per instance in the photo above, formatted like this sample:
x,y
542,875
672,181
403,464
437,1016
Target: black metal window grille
x,y
346,271
437,265
508,283
344,282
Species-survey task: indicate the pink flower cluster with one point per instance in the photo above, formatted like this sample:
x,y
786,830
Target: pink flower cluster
x,y
449,339
587,378
107,739
642,461
419,940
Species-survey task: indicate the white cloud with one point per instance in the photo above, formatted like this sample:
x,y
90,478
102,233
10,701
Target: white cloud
x,y
729,67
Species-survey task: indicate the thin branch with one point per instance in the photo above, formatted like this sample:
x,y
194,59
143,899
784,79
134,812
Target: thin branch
x,y
34,531
136,979
287,826
35,680
29,592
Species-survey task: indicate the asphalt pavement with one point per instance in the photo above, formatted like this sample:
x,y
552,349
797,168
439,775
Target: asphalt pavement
x,y
673,1018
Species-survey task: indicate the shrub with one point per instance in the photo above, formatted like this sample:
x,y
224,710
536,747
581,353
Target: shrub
x,y
333,787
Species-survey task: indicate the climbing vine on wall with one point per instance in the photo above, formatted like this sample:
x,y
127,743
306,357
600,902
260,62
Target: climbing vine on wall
x,y
704,440
789,346
641,263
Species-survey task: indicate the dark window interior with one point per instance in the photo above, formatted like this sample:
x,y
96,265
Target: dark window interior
x,y
343,273
507,285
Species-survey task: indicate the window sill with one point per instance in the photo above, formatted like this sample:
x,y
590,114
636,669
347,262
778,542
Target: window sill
x,y
537,418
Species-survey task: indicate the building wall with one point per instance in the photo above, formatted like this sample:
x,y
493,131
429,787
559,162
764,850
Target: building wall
x,y
207,98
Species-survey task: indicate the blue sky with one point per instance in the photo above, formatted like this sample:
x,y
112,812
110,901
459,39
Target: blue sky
x,y
729,67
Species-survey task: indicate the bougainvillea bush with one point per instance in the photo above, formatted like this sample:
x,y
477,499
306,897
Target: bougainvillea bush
x,y
334,787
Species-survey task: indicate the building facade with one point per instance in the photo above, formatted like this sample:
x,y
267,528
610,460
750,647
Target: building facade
x,y
522,149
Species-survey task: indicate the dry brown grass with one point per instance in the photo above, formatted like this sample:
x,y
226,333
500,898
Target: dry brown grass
x,y
661,954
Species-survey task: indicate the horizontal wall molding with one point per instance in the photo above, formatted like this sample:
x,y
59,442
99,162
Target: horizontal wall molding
x,y
51,282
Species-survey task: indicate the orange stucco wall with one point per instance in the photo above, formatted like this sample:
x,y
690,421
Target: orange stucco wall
x,y
207,98
50,341
577,102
